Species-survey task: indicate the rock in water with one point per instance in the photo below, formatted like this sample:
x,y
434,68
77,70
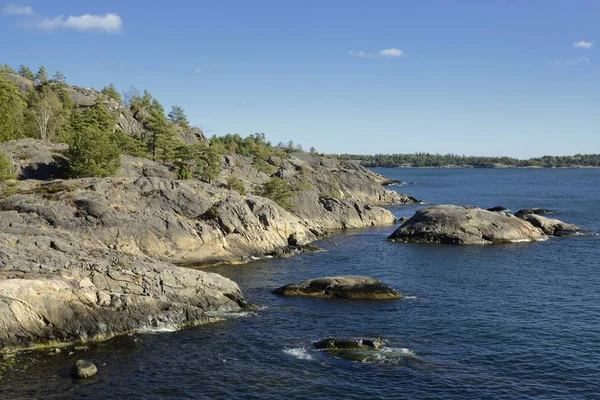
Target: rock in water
x,y
348,344
84,369
344,287
536,211
498,209
462,225
555,227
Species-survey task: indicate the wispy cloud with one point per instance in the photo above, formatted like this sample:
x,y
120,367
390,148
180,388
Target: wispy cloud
x,y
198,70
391,52
582,44
14,9
243,104
359,53
108,23
572,61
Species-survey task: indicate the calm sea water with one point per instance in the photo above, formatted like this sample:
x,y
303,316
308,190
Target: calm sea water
x,y
518,321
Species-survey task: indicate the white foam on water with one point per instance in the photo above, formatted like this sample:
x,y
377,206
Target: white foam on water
x,y
231,314
410,297
390,355
520,240
400,351
300,353
162,329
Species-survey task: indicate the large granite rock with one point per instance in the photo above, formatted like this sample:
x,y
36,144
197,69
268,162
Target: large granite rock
x,y
344,287
465,225
61,286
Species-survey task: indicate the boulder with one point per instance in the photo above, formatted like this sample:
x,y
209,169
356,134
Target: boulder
x,y
344,287
349,344
555,227
465,225
84,369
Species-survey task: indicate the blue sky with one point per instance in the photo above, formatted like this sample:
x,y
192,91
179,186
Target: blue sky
x,y
503,77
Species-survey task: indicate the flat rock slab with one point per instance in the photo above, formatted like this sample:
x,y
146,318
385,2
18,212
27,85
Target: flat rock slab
x,y
465,225
555,227
344,287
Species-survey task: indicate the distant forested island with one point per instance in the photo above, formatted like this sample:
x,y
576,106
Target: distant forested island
x,y
454,160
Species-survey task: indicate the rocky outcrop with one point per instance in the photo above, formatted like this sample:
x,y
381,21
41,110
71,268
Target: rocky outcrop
x,y
33,159
178,221
555,227
343,287
469,225
464,225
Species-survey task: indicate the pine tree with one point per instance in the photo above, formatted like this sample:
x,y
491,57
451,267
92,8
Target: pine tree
x,y
7,69
92,152
178,117
25,72
160,142
110,92
209,165
12,109
42,75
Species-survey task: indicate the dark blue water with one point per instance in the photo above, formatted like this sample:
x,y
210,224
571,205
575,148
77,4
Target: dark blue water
x,y
518,321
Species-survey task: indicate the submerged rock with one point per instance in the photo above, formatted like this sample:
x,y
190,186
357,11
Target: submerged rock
x,y
465,225
345,287
84,369
346,344
555,227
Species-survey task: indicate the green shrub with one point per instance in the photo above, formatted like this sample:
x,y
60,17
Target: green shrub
x,y
211,214
279,191
6,167
184,173
235,183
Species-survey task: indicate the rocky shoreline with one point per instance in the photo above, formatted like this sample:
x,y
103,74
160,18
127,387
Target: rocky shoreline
x,y
86,259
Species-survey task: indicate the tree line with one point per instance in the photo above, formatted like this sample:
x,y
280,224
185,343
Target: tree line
x,y
447,160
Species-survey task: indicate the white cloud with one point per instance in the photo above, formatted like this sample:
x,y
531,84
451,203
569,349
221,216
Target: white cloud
x,y
109,23
582,44
393,52
198,70
572,61
14,9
